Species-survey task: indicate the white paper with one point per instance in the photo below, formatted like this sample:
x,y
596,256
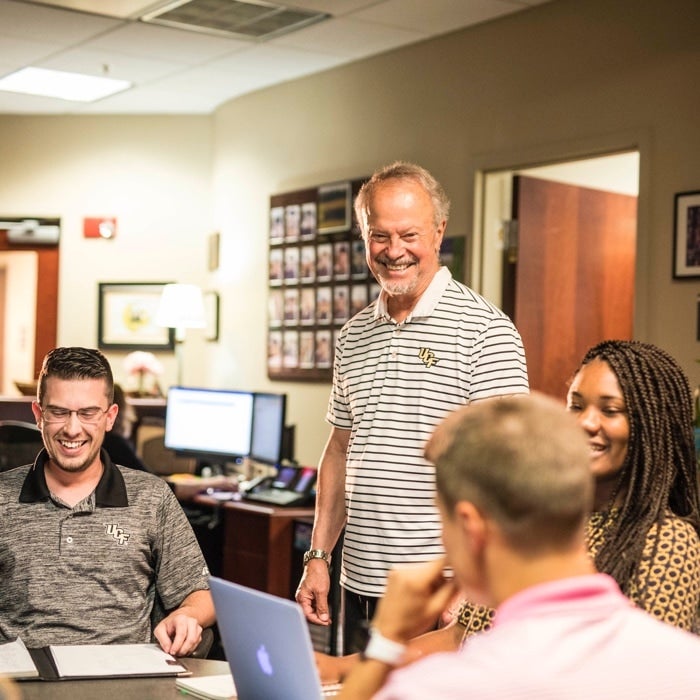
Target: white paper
x,y
219,687
114,660
15,660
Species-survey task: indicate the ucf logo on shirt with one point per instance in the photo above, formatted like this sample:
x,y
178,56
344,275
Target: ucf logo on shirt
x,y
118,533
427,356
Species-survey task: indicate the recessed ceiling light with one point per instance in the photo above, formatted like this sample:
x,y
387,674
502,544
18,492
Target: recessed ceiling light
x,y
75,87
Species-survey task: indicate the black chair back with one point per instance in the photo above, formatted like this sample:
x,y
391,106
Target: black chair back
x,y
20,443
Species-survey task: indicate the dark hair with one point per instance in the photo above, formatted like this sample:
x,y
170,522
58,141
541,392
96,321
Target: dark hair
x,y
75,363
660,468
401,170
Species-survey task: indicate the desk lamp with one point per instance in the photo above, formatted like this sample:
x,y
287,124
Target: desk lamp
x,y
181,307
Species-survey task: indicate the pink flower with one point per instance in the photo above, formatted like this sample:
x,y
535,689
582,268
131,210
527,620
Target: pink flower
x,y
140,362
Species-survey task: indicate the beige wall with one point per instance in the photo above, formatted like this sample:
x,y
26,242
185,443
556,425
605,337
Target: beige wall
x,y
565,79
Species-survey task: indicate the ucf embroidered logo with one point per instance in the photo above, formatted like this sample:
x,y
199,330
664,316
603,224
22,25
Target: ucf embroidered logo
x,y
427,356
119,534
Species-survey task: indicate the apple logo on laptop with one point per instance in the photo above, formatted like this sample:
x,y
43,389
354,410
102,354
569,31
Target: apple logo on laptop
x,y
264,660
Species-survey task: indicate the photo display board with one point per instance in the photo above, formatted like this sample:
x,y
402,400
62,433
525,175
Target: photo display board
x,y
317,276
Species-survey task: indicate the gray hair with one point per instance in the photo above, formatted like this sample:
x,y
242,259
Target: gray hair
x,y
401,170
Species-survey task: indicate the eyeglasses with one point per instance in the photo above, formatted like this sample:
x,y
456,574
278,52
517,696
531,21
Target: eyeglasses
x,y
55,414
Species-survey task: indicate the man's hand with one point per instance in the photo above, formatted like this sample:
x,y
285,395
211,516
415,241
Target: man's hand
x,y
178,634
312,593
415,596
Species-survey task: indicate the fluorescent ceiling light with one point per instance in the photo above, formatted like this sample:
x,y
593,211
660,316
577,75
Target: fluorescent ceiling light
x,y
66,86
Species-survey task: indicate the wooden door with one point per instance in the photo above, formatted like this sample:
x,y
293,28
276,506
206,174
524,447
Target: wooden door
x,y
569,281
46,296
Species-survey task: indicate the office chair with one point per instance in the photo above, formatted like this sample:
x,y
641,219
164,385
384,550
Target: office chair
x,y
205,644
150,447
20,443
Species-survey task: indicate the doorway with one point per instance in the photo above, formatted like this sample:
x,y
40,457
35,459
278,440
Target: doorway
x,y
558,254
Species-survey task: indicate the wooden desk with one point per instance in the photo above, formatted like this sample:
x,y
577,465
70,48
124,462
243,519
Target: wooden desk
x,y
258,544
118,688
16,408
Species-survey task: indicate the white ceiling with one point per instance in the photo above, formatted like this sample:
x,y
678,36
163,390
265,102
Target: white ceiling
x,y
175,71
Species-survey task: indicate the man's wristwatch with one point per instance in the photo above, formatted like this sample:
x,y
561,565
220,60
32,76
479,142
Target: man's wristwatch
x,y
379,648
317,554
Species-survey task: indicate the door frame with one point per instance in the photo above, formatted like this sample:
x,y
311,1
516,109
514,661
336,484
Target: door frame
x,y
558,152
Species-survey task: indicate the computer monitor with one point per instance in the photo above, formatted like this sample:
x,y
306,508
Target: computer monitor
x,y
209,424
269,413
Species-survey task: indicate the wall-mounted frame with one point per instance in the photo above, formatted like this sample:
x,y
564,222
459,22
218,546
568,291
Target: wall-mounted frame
x,y
126,317
686,236
317,279
212,303
334,207
213,245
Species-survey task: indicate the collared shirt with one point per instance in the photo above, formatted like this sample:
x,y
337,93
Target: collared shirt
x,y
91,573
392,384
573,639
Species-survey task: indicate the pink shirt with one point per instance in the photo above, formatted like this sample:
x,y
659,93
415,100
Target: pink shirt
x,y
573,639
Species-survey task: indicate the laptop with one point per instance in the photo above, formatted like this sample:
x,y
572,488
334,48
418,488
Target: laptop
x,y
267,645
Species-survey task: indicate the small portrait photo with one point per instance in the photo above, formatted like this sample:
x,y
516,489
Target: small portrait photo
x,y
291,265
292,222
341,260
358,299
276,225
274,349
341,304
308,221
308,263
334,207
324,262
290,352
276,260
275,308
358,262
323,305
291,307
323,351
306,349
308,306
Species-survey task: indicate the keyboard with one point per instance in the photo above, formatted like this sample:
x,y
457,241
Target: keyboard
x,y
277,497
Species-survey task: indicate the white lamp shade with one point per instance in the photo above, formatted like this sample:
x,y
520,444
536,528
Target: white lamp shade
x,y
181,306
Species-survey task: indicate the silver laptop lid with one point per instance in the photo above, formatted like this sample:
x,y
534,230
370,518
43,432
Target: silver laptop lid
x,y
267,644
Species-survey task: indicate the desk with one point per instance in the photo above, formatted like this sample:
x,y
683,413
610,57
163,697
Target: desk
x,y
257,544
16,408
118,688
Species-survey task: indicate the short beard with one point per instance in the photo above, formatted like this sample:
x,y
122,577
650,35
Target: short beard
x,y
398,289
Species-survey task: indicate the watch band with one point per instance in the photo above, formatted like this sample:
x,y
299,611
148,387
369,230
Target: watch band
x,y
317,554
379,648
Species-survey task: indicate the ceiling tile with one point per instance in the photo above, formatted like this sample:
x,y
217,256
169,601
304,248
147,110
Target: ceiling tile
x,y
349,38
437,16
55,26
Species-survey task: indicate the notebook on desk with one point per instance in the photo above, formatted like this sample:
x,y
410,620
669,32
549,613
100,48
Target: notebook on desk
x,y
267,644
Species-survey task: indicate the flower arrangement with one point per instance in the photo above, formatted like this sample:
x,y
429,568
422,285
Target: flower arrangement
x,y
144,367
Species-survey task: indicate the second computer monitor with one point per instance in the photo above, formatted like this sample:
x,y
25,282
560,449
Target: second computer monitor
x,y
267,441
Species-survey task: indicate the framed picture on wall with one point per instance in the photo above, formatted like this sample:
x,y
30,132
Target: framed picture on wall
x,y
686,236
333,207
126,317
212,305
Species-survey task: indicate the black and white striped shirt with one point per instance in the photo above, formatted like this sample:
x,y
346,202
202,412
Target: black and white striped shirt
x,y
393,383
